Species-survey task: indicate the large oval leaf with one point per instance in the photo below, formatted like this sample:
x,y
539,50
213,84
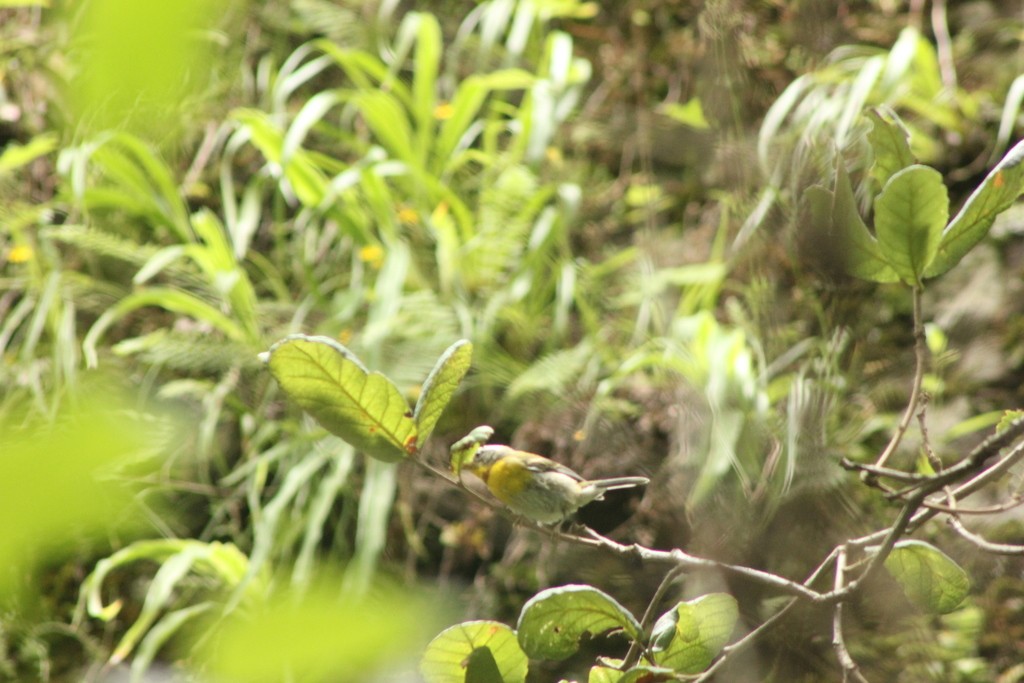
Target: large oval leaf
x,y
928,576
910,214
553,621
689,636
364,408
441,383
474,651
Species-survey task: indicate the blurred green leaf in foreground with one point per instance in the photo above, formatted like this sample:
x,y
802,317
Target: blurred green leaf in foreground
x,y
136,65
322,634
56,480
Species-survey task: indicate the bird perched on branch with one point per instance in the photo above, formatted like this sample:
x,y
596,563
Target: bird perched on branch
x,y
539,488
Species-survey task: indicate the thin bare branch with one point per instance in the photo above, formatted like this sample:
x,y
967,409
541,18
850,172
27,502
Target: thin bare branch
x,y
983,543
920,361
849,666
633,655
882,472
1015,501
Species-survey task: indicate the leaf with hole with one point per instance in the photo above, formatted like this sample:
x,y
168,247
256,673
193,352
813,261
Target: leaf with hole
x,y
688,637
364,408
480,651
553,621
928,576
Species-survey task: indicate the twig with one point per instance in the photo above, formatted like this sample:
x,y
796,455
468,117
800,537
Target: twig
x,y
975,460
882,472
1015,501
747,640
916,12
744,642
983,543
633,655
926,444
911,515
687,561
961,491
920,360
846,661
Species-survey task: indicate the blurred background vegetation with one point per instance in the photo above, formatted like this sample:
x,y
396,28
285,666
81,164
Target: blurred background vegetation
x,y
602,197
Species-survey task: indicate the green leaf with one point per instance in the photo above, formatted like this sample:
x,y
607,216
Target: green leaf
x,y
172,300
318,633
836,214
909,215
308,181
465,106
59,482
15,156
215,561
864,257
388,120
996,193
463,450
427,64
928,576
1009,417
481,667
439,387
364,408
452,656
891,145
638,674
553,621
688,637
690,114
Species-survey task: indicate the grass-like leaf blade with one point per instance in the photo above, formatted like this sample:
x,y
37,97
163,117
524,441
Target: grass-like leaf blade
x,y
364,408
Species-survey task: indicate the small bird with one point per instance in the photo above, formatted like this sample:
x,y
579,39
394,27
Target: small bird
x,y
538,488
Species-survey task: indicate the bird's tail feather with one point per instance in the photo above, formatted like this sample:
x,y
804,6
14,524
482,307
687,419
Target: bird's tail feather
x,y
620,483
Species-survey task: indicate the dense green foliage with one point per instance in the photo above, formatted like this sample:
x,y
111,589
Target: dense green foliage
x,y
725,244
